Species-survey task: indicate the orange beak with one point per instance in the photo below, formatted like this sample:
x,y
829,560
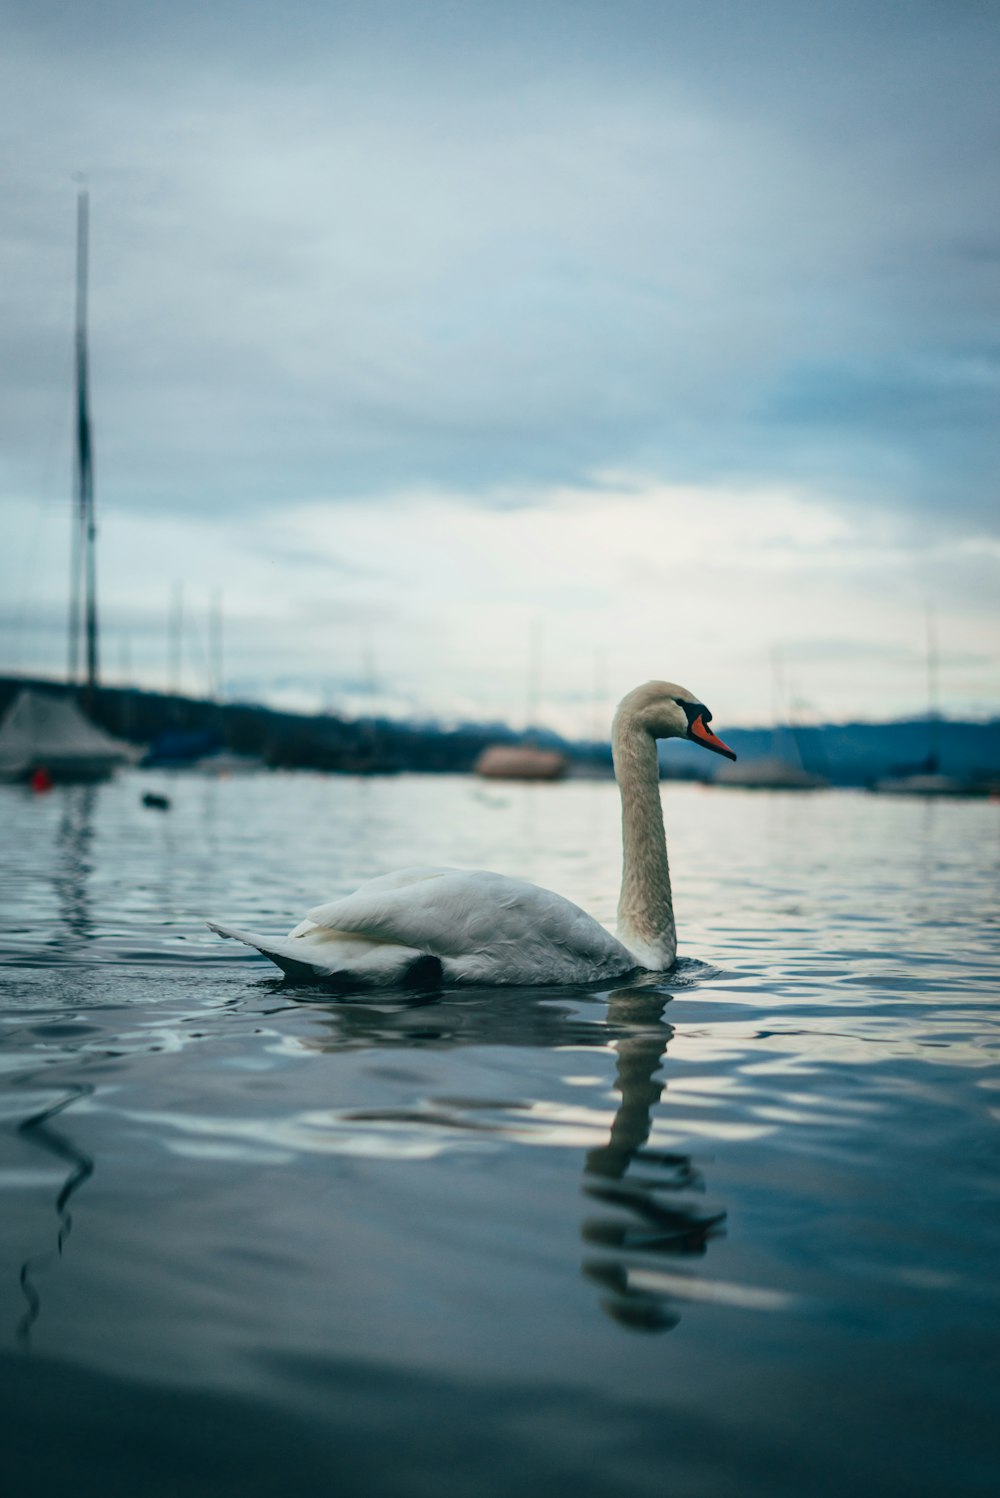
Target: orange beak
x,y
699,730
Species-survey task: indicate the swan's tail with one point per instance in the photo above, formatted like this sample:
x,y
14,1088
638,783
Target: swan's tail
x,y
279,950
345,965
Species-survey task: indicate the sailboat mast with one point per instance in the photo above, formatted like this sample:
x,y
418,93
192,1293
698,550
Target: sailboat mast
x,y
215,643
79,517
76,549
933,708
84,522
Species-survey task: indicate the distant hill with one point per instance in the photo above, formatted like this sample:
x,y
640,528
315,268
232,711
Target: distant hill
x,y
858,753
848,753
283,740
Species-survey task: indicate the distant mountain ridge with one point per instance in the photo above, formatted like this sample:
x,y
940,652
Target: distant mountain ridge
x,y
847,753
859,753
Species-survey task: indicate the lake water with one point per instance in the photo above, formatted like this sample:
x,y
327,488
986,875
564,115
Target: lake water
x,y
734,1233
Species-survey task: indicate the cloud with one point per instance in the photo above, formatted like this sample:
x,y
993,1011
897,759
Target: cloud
x,y
673,326
367,249
436,598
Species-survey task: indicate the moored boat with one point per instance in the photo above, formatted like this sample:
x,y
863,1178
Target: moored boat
x,y
520,762
46,733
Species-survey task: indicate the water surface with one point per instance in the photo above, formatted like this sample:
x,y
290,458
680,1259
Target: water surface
x,y
731,1233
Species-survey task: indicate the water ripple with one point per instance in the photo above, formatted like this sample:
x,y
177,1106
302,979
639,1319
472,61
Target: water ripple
x,y
787,1148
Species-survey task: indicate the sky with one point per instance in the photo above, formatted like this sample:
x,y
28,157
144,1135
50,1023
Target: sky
x,y
460,346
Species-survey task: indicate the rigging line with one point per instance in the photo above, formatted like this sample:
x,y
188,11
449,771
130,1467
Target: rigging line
x,y
204,654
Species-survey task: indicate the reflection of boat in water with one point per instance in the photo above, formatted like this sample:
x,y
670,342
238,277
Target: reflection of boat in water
x,y
38,1130
70,880
47,733
520,762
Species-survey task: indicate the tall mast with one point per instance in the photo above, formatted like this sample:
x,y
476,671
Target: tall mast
x,y
215,643
175,638
933,707
84,559
77,525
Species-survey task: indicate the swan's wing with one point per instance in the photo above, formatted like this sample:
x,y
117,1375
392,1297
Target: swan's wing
x,y
373,888
485,923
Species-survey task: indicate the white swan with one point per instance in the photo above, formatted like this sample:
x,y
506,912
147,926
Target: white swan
x,y
422,927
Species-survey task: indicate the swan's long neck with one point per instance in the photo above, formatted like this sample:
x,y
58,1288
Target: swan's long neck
x,y
645,909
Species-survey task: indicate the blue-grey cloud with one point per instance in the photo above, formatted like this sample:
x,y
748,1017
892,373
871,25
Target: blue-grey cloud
x,y
344,249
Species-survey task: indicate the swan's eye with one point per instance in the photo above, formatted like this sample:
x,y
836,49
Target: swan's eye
x,y
694,710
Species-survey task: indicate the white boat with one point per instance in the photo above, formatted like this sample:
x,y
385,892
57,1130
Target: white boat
x,y
770,773
925,783
45,732
927,778
788,767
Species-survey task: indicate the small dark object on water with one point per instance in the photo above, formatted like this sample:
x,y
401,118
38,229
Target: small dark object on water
x,y
41,779
156,801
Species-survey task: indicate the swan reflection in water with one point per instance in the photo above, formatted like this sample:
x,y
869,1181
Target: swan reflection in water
x,y
653,1195
645,1206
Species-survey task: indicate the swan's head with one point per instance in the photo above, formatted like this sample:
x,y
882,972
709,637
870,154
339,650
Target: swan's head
x,y
667,711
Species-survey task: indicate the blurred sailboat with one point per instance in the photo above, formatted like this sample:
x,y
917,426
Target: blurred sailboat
x,y
525,761
770,773
925,778
520,762
45,734
787,768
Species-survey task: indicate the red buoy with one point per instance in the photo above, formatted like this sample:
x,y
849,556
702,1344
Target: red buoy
x,y
41,780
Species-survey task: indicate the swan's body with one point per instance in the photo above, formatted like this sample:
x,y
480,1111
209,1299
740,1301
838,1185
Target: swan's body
x,y
481,928
427,926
